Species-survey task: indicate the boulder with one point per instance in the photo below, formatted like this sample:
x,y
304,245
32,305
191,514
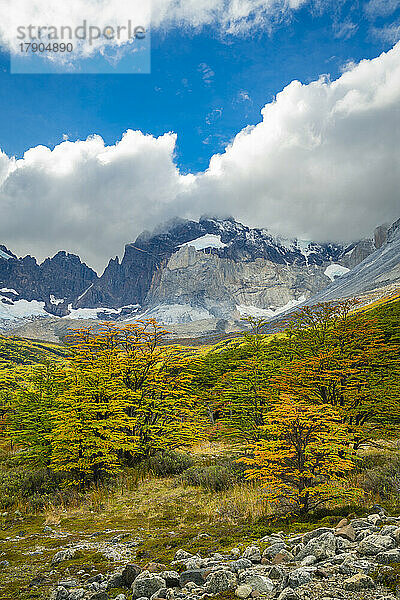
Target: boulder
x,y
388,557
60,593
129,573
194,575
298,577
243,591
310,535
171,578
253,554
375,543
322,547
273,550
62,555
116,580
352,566
220,581
257,582
347,532
358,582
146,584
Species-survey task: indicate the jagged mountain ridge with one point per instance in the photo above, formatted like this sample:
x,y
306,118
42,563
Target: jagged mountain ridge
x,y
131,280
183,271
55,282
380,269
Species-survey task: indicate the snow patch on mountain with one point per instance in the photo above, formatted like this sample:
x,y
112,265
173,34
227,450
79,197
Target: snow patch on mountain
x,y
205,241
20,309
334,271
254,311
170,314
4,255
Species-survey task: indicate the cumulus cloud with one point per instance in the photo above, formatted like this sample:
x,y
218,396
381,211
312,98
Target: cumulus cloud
x,y
323,164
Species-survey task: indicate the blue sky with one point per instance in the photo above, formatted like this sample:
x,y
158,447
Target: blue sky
x,y
204,85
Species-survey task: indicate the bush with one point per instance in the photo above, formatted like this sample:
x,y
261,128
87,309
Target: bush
x,y
35,488
214,477
167,463
381,476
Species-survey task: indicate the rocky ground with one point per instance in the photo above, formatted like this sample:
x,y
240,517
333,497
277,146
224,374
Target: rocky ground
x,y
351,561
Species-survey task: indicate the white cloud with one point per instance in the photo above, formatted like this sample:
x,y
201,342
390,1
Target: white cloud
x,y
381,8
231,16
324,163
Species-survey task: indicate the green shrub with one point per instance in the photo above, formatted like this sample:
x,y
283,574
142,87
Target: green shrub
x,y
212,477
167,463
382,477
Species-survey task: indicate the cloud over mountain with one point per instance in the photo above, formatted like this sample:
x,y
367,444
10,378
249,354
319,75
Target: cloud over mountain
x,y
324,163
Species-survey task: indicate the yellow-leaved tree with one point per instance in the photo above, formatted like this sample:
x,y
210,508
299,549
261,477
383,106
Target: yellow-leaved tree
x,y
304,456
125,399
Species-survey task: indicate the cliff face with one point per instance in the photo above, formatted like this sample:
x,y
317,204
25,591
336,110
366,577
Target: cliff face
x,y
219,285
215,269
379,270
227,252
55,282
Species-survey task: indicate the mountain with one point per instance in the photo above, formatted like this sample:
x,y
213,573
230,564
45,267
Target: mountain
x,y
212,266
195,276
31,289
380,270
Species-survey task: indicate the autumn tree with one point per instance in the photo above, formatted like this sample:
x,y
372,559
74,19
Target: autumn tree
x,y
303,457
339,357
127,398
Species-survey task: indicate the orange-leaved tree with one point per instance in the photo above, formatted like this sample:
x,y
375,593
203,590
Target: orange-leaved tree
x,y
304,456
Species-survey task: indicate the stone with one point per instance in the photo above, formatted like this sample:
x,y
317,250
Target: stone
x,y
60,593
182,555
358,582
262,584
388,557
235,552
63,555
120,597
322,547
76,594
171,578
282,557
288,594
100,596
274,572
243,591
241,564
375,543
147,584
129,573
310,535
298,577
194,575
386,574
348,532
308,560
253,554
117,580
352,566
375,520
220,581
273,550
